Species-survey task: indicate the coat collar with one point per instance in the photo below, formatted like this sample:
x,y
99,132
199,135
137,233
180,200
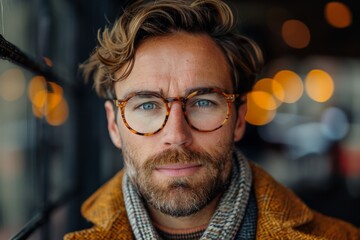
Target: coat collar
x,y
106,204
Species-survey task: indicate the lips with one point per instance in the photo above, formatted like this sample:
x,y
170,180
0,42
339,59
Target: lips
x,y
178,170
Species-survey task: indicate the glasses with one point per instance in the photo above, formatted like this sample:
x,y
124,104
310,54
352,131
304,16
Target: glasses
x,y
205,110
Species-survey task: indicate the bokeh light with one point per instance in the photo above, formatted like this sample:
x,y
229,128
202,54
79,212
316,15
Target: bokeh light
x,y
264,100
335,124
48,101
36,85
38,112
12,84
291,84
55,96
270,86
58,115
255,114
295,33
338,15
40,98
319,85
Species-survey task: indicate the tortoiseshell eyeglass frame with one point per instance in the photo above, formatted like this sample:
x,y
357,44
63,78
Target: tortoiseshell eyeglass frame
x,y
230,98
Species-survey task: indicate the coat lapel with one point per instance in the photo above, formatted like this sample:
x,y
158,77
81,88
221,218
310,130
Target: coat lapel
x,y
279,209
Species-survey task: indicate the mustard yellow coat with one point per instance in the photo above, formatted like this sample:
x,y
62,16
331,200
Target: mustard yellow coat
x,y
281,214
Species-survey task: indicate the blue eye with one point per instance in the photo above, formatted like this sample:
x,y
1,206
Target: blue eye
x,y
147,106
203,103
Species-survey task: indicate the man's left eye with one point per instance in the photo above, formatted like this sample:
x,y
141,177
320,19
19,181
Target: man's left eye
x,y
203,103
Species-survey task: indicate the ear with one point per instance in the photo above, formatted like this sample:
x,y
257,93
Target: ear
x,y
240,124
112,126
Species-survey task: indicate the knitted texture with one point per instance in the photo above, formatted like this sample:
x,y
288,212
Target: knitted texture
x,y
247,229
178,236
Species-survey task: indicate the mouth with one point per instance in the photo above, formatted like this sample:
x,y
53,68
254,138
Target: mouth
x,y
178,170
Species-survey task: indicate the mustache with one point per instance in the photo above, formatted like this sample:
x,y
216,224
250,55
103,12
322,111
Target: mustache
x,y
179,155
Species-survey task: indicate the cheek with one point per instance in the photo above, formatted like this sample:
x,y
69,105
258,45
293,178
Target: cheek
x,y
218,140
136,148
227,131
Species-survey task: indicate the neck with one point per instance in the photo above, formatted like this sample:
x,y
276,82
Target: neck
x,y
198,219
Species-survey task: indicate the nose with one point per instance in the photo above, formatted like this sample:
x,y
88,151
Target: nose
x,y
176,132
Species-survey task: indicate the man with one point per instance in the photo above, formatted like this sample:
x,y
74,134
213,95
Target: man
x,y
179,72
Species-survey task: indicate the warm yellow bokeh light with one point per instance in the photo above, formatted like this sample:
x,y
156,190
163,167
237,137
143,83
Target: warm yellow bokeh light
x,y
40,94
55,95
256,115
59,114
55,88
44,99
40,98
36,85
295,33
338,15
271,87
38,112
53,100
291,84
319,85
12,84
48,101
263,100
45,103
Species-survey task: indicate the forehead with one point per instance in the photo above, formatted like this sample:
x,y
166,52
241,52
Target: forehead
x,y
173,64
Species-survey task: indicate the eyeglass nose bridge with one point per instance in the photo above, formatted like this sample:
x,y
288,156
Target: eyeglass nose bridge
x,y
182,100
169,101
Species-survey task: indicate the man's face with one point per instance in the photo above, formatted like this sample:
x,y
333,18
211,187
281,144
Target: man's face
x,y
178,170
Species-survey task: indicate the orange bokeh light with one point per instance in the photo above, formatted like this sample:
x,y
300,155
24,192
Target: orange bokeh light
x,y
42,98
270,86
338,15
291,84
38,112
59,114
263,100
36,85
295,33
39,99
319,85
54,96
48,101
256,115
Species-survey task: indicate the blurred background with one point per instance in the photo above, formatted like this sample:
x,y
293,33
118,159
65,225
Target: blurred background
x,y
303,117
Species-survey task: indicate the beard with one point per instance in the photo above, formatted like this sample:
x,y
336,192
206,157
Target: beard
x,y
180,196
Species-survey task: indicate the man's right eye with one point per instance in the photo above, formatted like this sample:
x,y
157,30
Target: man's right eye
x,y
147,106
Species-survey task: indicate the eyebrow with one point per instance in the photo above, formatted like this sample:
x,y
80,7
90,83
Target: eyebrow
x,y
161,92
191,90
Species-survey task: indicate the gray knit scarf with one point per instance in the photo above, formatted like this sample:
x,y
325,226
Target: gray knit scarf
x,y
226,220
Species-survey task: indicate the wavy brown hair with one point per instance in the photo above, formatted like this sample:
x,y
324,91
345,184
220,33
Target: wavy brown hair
x,y
144,19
